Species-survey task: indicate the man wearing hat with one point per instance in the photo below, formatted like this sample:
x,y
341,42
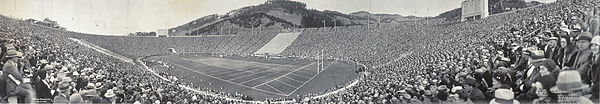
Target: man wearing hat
x,y
14,79
471,91
531,73
594,72
551,47
570,88
5,48
63,93
110,96
504,75
581,56
43,85
504,96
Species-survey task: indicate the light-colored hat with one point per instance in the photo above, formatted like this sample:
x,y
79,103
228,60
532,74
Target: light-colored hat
x,y
75,73
109,93
13,53
537,55
568,81
48,67
442,87
98,85
9,47
504,59
90,86
596,40
504,94
456,88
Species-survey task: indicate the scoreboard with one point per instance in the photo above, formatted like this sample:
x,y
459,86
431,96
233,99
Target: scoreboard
x,y
474,9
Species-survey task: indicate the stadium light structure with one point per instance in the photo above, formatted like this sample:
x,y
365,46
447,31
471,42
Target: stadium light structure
x,y
334,22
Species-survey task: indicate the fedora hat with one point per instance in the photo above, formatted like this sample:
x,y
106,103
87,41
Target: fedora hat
x,y
596,40
537,55
13,53
568,81
503,96
64,87
109,93
10,47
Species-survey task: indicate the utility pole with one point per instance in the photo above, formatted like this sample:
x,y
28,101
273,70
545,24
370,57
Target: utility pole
x,y
334,23
324,24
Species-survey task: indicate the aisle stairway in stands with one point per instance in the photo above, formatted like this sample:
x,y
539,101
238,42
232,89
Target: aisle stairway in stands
x,y
278,43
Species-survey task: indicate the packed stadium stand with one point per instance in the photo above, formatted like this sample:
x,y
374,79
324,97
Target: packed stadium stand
x,y
502,58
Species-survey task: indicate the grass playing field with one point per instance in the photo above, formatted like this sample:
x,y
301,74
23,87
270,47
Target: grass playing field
x,y
258,78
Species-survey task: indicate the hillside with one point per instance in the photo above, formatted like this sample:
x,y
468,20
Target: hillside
x,y
280,14
384,18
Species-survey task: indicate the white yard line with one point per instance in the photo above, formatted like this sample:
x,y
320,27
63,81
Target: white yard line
x,y
286,84
274,68
293,79
286,74
274,88
309,80
300,75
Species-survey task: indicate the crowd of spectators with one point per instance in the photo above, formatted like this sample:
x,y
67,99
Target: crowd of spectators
x,y
542,54
41,65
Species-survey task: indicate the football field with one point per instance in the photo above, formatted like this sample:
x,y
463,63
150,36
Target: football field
x,y
258,78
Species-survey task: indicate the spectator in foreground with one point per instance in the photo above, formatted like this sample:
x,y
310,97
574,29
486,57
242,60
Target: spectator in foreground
x,y
471,92
14,79
593,72
570,88
504,96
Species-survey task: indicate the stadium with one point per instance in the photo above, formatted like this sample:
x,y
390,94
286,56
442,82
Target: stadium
x,y
545,53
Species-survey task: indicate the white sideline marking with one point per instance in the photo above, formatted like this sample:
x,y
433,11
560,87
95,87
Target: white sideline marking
x,y
228,81
274,88
309,80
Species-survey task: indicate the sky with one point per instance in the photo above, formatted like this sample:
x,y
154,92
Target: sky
x,y
119,17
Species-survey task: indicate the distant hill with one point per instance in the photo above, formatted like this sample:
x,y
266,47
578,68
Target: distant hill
x,y
384,18
280,14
